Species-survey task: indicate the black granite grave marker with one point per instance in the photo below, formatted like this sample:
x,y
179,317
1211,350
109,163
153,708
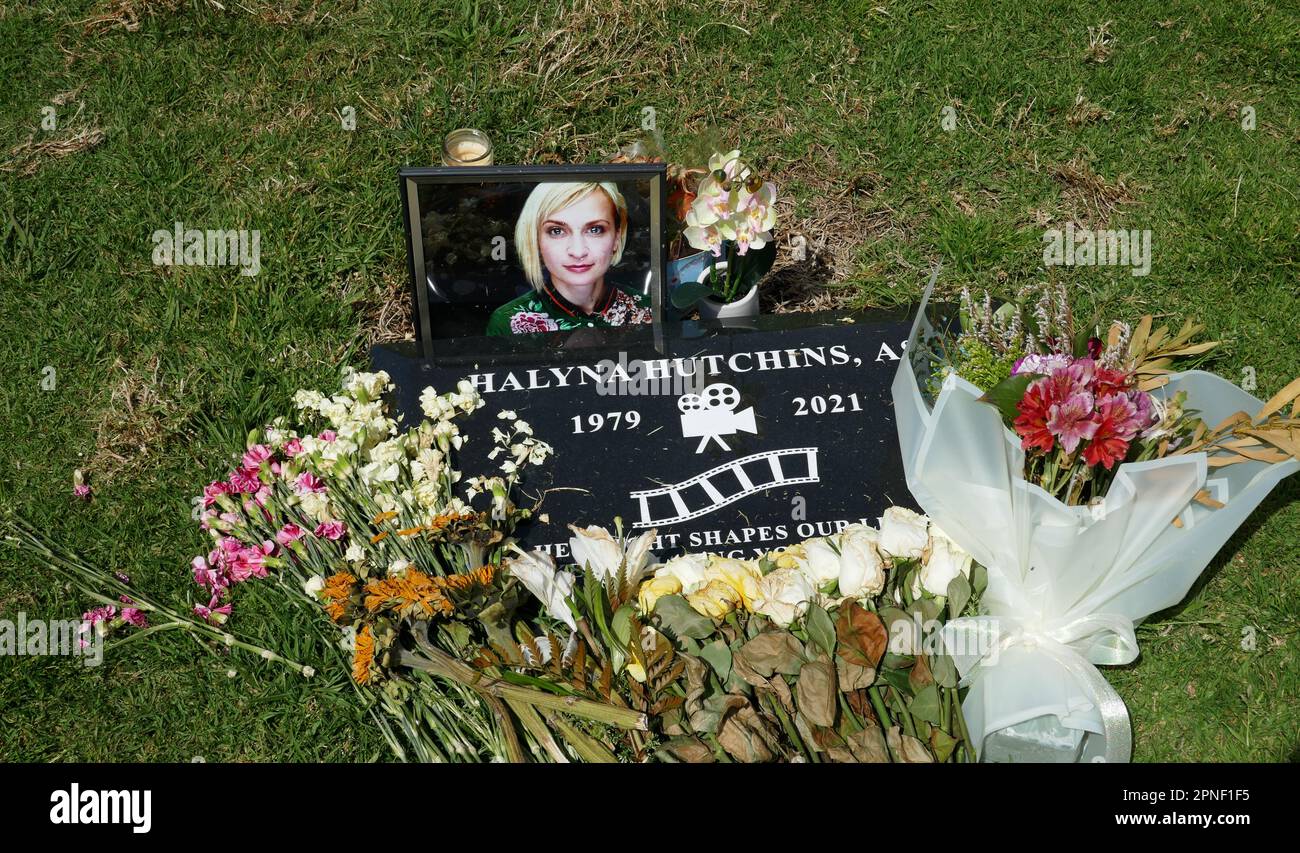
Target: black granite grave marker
x,y
722,439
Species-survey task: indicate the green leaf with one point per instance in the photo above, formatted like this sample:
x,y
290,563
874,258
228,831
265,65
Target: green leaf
x,y
621,624
1006,394
821,629
925,705
897,679
979,578
928,608
1080,342
958,595
753,265
688,293
943,670
897,662
718,656
681,619
942,743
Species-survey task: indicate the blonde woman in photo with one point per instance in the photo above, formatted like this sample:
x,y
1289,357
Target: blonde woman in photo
x,y
567,237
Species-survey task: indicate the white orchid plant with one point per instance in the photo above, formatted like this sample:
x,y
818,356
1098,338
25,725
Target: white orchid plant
x,y
732,216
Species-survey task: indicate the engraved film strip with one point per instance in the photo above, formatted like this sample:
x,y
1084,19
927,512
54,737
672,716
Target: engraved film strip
x,y
725,484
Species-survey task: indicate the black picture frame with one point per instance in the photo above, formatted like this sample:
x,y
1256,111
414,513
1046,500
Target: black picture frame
x,y
410,179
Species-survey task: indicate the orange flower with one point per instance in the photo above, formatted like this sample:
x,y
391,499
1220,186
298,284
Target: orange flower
x,y
338,591
364,655
482,576
414,590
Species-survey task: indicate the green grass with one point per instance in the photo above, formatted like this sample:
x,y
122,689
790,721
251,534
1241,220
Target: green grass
x,y
231,119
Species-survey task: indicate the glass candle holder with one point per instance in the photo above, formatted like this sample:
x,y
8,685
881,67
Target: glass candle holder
x,y
467,147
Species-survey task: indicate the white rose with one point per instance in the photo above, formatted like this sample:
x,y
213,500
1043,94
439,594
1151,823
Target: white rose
x,y
783,596
820,562
946,561
689,569
862,571
536,571
903,533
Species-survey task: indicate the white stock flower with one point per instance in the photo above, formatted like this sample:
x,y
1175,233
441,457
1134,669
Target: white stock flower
x,y
862,571
335,410
365,385
783,596
946,560
314,584
379,472
385,501
427,464
903,533
305,399
316,506
388,452
397,567
536,571
428,493
355,553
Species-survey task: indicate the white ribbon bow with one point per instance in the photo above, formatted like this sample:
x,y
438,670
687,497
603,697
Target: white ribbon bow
x,y
1077,646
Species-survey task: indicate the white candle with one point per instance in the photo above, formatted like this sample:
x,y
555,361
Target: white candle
x,y
466,147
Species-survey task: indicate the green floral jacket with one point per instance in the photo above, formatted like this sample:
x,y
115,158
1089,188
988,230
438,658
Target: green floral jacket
x,y
548,311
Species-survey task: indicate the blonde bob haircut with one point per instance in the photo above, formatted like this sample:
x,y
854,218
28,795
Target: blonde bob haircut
x,y
545,200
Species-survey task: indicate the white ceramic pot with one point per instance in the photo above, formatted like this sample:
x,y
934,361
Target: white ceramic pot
x,y
715,309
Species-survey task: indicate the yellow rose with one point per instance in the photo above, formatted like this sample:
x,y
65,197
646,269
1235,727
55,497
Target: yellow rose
x,y
789,557
654,589
715,599
741,575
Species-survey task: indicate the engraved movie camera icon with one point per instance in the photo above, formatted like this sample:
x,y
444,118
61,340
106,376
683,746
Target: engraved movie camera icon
x,y
711,415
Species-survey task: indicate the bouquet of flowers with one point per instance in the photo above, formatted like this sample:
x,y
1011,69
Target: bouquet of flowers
x,y
464,647
826,650
1094,484
1082,405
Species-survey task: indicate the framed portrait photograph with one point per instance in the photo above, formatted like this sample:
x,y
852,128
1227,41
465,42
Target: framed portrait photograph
x,y
532,252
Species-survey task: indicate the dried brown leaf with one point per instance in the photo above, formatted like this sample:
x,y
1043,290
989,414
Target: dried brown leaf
x,y
1279,400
